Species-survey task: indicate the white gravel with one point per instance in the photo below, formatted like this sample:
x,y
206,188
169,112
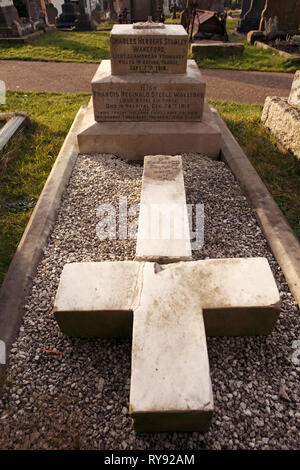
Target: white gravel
x,y
64,393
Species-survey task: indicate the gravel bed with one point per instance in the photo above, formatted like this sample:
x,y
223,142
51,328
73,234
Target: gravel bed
x,y
64,393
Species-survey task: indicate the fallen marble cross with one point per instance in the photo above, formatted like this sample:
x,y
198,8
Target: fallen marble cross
x,y
169,309
166,307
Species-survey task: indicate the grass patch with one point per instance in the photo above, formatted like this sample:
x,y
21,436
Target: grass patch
x,y
93,46
28,158
61,46
279,169
253,59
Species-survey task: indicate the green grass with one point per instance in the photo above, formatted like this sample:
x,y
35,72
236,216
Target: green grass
x,y
253,59
28,158
93,46
279,169
61,46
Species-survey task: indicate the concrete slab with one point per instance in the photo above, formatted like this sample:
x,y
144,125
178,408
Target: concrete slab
x,y
134,140
163,230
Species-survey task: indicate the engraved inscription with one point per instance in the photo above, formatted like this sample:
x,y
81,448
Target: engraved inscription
x,y
139,54
162,168
143,102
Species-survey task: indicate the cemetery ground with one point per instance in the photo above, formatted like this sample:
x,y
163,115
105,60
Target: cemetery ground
x,y
70,393
61,46
27,159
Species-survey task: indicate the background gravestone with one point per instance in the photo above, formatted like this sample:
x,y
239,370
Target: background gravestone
x,y
83,23
52,13
287,12
8,14
69,15
245,7
34,8
251,19
141,9
213,5
11,24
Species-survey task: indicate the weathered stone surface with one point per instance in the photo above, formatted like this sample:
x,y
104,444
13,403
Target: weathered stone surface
x,y
170,385
157,50
294,98
283,120
148,97
163,231
170,381
238,296
8,18
287,12
134,140
86,303
216,48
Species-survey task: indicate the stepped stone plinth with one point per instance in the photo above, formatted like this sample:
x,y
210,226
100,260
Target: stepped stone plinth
x,y
149,99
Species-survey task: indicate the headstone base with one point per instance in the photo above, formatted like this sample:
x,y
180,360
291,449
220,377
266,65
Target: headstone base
x,y
134,140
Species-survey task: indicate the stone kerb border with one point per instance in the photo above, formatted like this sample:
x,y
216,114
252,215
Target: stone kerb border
x,y
281,238
262,45
18,279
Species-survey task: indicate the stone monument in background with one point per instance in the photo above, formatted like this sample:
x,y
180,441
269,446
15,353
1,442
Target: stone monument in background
x,y
30,19
191,5
287,12
68,16
52,13
251,15
84,22
8,18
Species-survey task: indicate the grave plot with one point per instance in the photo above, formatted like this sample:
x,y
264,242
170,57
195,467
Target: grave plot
x,y
69,391
71,385
166,307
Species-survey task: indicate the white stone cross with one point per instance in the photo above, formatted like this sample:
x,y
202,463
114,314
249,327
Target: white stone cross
x,y
169,309
166,308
